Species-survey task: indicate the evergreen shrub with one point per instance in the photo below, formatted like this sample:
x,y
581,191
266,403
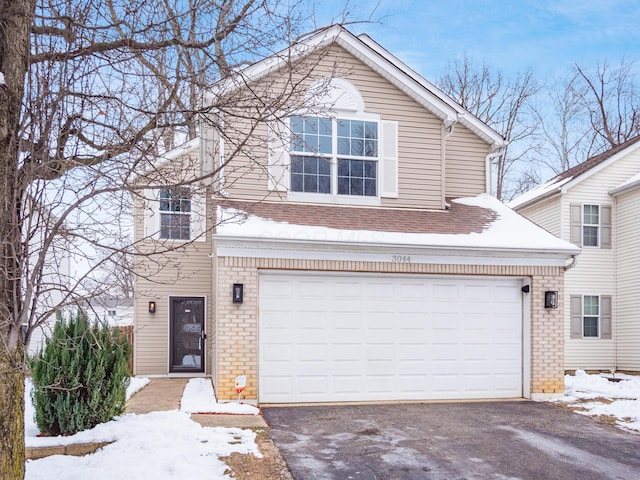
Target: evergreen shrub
x,y
80,377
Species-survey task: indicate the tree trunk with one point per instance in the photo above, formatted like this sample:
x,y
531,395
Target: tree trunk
x,y
11,418
16,18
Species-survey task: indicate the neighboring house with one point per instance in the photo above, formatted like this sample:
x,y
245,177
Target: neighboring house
x,y
46,274
362,261
595,205
113,311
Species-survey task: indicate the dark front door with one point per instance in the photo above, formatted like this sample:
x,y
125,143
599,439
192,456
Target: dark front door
x,y
187,334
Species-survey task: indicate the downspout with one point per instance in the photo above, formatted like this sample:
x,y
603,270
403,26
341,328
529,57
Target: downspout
x,y
574,262
222,158
488,172
448,127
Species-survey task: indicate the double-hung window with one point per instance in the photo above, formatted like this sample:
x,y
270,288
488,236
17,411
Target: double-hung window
x,y
591,225
175,214
336,156
591,316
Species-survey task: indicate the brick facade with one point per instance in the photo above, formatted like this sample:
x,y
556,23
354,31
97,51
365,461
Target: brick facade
x,y
237,324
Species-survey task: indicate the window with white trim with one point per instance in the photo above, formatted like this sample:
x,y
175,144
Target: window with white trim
x,y
334,156
175,213
591,225
591,316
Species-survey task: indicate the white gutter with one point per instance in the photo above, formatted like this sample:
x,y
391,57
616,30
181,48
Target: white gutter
x,y
276,247
449,126
487,165
574,262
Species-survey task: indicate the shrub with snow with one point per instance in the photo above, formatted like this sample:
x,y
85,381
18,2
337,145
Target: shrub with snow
x,y
80,377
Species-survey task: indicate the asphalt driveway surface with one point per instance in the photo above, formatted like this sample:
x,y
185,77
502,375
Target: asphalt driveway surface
x,y
484,440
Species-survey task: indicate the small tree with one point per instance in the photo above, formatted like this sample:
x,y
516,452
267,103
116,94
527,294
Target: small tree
x,y
80,377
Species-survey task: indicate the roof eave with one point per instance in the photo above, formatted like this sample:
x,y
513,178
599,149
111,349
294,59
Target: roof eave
x,y
624,189
462,251
545,196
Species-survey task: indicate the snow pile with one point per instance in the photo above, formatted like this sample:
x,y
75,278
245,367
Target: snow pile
x,y
135,384
198,397
158,445
621,399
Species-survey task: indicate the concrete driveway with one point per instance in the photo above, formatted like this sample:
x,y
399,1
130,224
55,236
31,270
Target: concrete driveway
x,y
483,440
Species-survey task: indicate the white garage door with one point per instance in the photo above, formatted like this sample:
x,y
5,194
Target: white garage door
x,y
327,338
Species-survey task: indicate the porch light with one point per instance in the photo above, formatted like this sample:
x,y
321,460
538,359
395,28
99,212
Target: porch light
x,y
152,307
238,292
550,299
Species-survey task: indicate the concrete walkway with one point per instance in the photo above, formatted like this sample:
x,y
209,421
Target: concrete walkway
x,y
160,394
163,394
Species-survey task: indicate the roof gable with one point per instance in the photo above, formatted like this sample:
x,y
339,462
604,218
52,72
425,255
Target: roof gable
x,y
577,174
384,64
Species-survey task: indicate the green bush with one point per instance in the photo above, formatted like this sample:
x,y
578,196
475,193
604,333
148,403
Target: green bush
x,y
80,377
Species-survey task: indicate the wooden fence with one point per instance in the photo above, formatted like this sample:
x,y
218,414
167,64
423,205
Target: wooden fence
x,y
127,331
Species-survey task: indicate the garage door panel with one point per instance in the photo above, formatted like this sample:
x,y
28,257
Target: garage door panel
x,y
359,337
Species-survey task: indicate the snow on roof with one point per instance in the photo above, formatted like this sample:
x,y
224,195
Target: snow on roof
x,y
540,191
505,230
578,172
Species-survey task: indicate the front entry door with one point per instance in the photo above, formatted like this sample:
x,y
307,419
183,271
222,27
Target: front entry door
x,y
187,334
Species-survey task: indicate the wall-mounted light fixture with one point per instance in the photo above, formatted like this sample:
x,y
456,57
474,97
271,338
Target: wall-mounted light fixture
x,y
238,292
152,307
550,299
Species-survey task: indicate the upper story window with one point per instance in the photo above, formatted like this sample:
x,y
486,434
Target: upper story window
x,y
175,214
591,225
334,156
348,156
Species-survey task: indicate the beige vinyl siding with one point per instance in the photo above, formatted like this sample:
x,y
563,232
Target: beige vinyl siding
x,y
545,214
628,281
419,143
183,269
465,164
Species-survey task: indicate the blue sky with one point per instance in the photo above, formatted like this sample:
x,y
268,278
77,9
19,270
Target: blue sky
x,y
511,36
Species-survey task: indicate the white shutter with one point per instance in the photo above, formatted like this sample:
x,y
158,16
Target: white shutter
x,y
278,167
198,216
151,213
389,167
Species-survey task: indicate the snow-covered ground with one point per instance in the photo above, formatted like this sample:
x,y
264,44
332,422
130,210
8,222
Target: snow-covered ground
x,y
198,397
169,445
158,445
599,396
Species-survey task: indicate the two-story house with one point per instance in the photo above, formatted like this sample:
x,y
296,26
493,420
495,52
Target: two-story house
x,y
595,205
350,252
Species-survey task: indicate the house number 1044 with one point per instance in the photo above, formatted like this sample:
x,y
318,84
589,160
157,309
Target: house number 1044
x,y
400,258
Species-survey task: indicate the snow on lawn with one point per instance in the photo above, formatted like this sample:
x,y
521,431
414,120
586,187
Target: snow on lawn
x,y
158,445
621,399
198,397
